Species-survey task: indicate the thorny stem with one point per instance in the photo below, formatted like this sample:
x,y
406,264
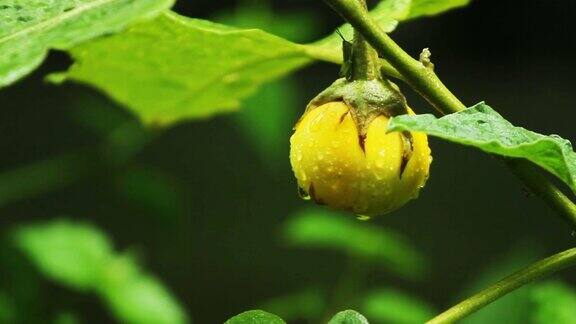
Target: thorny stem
x,y
422,78
537,270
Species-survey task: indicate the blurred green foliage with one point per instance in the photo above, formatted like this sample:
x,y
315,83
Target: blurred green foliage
x,y
81,257
554,301
389,305
7,311
320,228
267,117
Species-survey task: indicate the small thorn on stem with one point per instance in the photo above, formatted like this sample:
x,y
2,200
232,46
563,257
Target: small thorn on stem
x,y
425,59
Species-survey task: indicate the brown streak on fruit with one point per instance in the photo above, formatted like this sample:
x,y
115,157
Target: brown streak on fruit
x,y
362,142
343,117
406,152
312,193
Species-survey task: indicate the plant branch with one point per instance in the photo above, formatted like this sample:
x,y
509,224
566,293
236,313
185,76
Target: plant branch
x,y
421,77
364,64
327,54
537,270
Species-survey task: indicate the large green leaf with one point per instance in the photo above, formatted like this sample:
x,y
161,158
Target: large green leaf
x,y
255,317
29,28
177,67
81,257
482,127
348,317
317,228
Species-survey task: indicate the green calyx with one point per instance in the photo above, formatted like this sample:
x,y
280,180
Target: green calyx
x,y
362,86
367,99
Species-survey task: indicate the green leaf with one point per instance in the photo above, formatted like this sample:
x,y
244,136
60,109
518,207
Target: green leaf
x,y
176,68
73,254
138,298
482,127
395,306
255,317
80,256
420,8
180,67
348,317
318,228
28,28
555,302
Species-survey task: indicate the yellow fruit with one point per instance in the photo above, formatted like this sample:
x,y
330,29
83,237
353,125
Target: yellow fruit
x,y
338,168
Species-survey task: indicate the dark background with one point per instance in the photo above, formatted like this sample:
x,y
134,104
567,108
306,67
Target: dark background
x,y
216,243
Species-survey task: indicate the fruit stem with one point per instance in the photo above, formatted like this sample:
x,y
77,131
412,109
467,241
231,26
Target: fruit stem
x,y
365,63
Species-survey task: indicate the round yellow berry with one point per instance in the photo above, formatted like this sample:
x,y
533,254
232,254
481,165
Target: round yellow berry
x,y
366,175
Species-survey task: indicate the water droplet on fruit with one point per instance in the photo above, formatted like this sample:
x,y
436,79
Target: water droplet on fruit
x,y
363,218
303,194
316,123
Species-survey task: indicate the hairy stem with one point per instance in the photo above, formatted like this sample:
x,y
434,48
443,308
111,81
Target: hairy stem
x,y
537,270
421,77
